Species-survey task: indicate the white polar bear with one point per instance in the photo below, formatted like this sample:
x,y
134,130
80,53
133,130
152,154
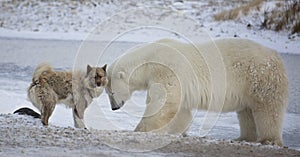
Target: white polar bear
x,y
177,78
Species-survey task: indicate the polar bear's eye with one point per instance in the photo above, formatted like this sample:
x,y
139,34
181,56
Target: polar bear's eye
x,y
111,93
121,75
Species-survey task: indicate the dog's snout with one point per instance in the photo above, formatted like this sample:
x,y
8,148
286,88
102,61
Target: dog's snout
x,y
98,84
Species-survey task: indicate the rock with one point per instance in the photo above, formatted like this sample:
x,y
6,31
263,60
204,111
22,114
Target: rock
x,y
249,25
27,111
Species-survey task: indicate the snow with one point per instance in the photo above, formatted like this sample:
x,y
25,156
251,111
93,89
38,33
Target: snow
x,y
75,20
40,31
6,33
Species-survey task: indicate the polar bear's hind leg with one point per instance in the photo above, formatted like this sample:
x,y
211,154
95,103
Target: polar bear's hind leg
x,y
247,125
268,120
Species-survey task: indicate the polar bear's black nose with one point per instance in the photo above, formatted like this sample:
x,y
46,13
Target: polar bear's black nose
x,y
115,108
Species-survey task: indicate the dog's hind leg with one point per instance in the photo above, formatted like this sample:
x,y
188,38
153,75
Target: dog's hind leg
x,y
47,109
48,100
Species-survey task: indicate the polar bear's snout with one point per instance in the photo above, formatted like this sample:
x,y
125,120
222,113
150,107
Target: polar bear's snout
x,y
115,108
114,104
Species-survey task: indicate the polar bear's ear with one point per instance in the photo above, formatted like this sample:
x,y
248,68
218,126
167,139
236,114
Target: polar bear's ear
x,y
121,74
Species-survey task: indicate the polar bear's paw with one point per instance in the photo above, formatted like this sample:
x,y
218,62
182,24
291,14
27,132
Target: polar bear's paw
x,y
271,142
248,139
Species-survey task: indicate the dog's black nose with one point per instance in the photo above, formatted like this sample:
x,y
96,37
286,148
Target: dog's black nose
x,y
115,108
99,84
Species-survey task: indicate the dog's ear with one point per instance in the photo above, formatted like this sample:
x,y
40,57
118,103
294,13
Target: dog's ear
x,y
89,69
104,67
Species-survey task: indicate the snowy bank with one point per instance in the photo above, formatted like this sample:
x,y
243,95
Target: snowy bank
x,y
74,20
25,136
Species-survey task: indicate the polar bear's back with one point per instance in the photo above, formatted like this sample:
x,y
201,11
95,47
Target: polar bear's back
x,y
254,73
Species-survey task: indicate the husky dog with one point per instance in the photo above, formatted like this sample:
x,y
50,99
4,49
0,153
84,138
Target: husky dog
x,y
74,89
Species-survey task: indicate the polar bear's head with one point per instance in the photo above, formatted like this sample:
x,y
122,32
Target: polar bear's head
x,y
118,89
123,81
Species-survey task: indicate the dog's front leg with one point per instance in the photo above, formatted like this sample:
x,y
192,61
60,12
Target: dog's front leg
x,y
78,121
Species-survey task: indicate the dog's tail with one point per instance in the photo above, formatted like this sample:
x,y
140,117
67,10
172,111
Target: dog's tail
x,y
42,68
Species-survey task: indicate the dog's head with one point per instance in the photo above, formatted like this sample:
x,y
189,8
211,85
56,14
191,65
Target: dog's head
x,y
97,76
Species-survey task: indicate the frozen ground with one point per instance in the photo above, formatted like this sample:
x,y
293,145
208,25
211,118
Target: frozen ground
x,y
32,32
25,136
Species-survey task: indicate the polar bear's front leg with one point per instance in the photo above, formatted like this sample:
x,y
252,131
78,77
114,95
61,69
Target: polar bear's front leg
x,y
159,110
154,121
166,121
247,125
162,113
179,124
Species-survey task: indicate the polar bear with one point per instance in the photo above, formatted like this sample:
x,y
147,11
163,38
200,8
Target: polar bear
x,y
178,78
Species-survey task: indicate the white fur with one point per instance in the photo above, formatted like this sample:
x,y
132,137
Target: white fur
x,y
255,80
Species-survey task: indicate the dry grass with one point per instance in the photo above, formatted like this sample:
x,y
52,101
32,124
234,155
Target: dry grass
x,y
234,13
296,27
286,16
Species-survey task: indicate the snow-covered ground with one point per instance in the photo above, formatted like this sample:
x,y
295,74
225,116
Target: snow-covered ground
x,y
57,32
25,136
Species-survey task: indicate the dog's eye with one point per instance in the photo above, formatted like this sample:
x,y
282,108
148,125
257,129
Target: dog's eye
x,y
96,77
